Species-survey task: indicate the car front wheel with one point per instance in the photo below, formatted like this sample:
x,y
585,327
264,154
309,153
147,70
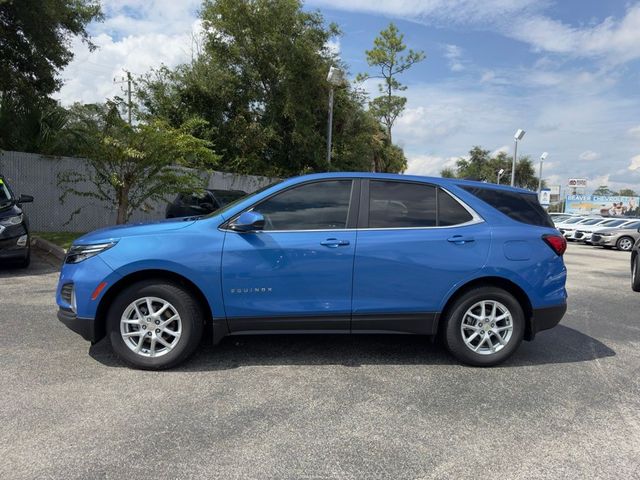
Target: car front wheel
x,y
625,244
155,325
484,327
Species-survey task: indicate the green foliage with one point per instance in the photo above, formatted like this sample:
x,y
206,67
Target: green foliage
x,y
260,83
606,191
627,192
35,45
129,167
482,167
386,56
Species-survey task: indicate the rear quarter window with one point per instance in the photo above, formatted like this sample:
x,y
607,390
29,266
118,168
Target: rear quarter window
x,y
521,207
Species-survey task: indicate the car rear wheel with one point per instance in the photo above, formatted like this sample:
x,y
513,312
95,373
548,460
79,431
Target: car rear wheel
x,y
625,244
484,327
155,325
635,273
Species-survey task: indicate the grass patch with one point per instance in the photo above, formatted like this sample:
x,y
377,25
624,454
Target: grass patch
x,y
62,239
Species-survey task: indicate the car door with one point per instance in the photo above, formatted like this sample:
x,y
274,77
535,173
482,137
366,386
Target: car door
x,y
296,273
415,243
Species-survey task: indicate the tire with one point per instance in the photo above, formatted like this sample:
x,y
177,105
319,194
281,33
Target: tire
x,y
625,244
27,260
469,303
635,273
128,315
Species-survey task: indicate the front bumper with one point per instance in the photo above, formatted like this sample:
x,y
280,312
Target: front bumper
x,y
597,239
14,246
545,318
86,327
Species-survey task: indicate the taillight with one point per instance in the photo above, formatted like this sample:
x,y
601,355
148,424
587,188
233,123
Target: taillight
x,y
557,243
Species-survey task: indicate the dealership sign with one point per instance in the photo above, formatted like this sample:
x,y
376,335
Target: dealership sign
x,y
606,205
545,197
577,182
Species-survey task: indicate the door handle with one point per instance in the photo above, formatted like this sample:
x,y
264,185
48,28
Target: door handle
x,y
334,243
460,239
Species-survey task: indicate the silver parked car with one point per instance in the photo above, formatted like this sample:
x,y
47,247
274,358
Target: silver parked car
x,y
620,238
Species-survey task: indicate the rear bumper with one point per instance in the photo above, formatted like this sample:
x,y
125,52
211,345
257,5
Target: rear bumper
x,y
545,318
83,326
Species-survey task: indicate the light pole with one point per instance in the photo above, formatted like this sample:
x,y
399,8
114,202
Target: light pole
x,y
543,157
518,136
335,79
500,173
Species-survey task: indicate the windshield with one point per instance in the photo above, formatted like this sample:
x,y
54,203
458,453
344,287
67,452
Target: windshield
x,y
241,199
6,198
574,220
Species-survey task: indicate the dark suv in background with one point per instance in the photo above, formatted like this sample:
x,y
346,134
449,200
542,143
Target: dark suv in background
x,y
193,204
15,242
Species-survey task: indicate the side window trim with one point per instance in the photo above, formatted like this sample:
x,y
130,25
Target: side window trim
x,y
363,217
352,212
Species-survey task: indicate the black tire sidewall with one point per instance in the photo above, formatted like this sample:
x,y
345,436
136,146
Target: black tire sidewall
x,y
453,336
635,276
186,306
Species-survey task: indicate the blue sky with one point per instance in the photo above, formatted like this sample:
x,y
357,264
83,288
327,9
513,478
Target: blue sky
x,y
565,71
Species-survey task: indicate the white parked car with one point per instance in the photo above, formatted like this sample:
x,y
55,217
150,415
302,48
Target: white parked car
x,y
568,226
584,233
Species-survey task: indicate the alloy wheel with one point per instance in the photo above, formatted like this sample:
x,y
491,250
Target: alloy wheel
x,y
150,327
487,327
625,244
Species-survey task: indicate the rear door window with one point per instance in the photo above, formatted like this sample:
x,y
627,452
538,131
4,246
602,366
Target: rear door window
x,y
413,205
522,207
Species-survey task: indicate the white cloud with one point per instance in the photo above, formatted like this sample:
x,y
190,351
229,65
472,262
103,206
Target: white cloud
x,y
589,155
634,132
90,76
635,163
617,40
502,149
430,165
453,54
333,46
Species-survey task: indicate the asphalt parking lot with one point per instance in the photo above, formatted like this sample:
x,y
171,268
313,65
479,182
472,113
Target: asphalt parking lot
x,y
365,407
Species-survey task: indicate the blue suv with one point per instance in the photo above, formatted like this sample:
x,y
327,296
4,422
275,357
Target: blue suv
x,y
479,264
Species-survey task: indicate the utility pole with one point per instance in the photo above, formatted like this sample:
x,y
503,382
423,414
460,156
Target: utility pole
x,y
129,94
129,81
518,136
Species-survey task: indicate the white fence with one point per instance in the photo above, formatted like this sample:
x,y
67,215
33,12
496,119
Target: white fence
x,y
37,175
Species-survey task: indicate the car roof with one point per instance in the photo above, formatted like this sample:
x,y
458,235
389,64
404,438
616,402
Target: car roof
x,y
442,181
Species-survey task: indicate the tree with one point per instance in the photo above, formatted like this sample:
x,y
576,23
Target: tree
x,y
604,190
35,45
482,167
260,82
386,56
627,192
131,166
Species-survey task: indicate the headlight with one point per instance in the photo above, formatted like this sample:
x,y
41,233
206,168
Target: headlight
x,y
9,221
79,253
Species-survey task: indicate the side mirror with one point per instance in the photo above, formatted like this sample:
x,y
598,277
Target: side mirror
x,y
248,222
25,199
